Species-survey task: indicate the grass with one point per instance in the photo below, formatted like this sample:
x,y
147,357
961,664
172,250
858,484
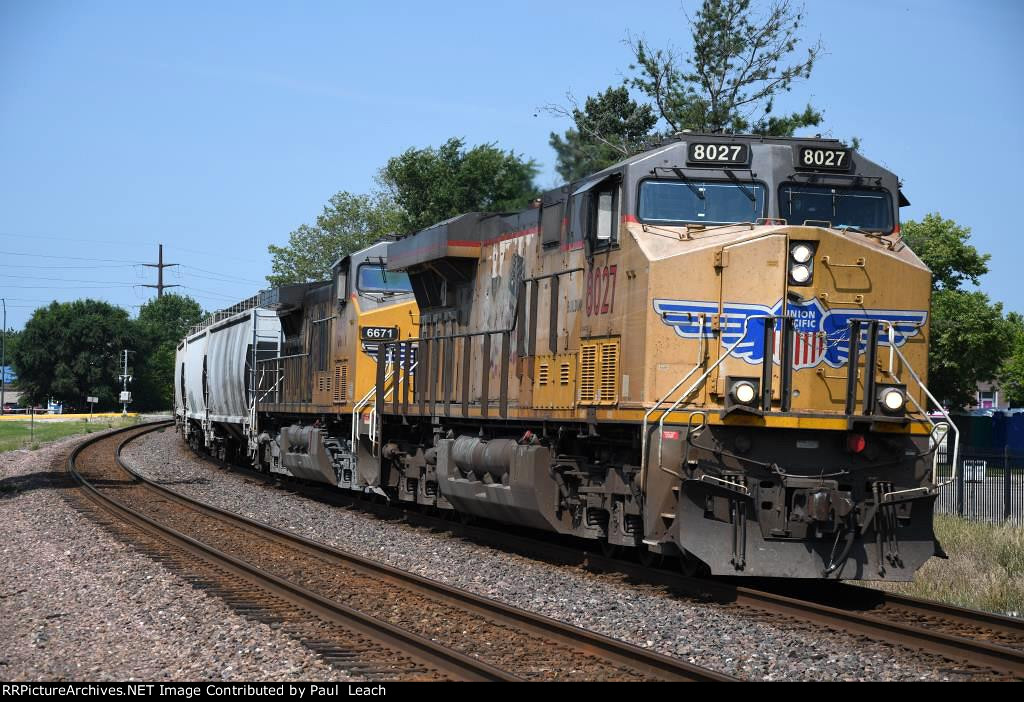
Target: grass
x,y
17,435
985,569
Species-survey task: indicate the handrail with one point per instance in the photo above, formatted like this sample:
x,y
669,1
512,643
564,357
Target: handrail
x,y
282,358
358,407
664,398
938,433
949,424
387,391
700,381
944,427
365,400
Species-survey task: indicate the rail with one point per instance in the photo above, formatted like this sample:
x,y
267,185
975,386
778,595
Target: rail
x,y
484,618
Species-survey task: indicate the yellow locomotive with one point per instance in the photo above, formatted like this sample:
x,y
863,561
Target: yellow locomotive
x,y
713,351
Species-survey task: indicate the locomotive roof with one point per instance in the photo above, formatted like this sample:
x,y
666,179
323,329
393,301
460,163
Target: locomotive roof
x,y
770,160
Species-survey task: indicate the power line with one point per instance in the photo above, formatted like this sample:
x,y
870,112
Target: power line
x,y
211,292
59,280
220,276
70,258
19,286
48,267
121,243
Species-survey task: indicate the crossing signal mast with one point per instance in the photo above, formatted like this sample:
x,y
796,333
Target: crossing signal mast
x,y
126,395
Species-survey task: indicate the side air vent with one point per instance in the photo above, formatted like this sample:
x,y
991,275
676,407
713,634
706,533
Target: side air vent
x,y
588,361
599,372
340,390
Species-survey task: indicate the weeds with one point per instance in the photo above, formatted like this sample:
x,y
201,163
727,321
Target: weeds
x,y
985,569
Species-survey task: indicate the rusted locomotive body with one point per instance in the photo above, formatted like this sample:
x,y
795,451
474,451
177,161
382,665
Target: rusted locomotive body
x,y
711,352
626,363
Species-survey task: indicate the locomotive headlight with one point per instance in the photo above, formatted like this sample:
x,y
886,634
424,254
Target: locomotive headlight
x,y
801,253
801,262
800,273
892,399
744,392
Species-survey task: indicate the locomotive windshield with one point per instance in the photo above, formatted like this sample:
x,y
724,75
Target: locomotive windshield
x,y
704,202
843,207
376,279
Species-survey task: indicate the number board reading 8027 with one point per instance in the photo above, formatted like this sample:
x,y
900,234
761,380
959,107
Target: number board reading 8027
x,y
718,154
823,159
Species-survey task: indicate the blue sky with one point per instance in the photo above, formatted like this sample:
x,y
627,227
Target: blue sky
x,y
217,128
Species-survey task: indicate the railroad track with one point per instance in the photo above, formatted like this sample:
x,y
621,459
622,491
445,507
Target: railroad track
x,y
977,643
371,619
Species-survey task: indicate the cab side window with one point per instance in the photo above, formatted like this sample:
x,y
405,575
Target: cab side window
x,y
604,215
551,224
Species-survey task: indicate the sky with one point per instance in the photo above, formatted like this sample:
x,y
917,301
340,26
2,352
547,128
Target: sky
x,y
218,128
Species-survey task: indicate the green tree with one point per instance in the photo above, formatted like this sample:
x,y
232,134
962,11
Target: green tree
x,y
161,324
1011,376
610,127
10,342
734,74
70,350
739,64
970,339
348,223
430,185
943,245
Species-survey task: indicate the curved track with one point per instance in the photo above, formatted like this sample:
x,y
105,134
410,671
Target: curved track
x,y
374,620
978,643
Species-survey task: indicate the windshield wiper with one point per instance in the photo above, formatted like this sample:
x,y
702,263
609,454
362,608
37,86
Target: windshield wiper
x,y
741,186
682,176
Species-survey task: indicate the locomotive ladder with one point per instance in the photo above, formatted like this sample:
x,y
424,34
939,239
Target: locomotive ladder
x,y
391,382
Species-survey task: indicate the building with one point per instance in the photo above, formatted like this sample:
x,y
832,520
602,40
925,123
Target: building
x,y
988,396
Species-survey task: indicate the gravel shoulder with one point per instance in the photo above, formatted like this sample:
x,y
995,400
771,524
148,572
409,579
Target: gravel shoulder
x,y
80,605
710,635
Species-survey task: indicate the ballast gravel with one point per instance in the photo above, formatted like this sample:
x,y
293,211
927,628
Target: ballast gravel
x,y
708,635
77,604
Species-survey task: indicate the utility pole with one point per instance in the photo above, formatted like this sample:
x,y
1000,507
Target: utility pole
x,y
160,265
126,396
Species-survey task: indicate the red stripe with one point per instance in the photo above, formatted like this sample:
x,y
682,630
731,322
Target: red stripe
x,y
512,235
629,218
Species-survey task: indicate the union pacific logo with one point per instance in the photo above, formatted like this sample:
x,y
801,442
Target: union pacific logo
x,y
822,336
